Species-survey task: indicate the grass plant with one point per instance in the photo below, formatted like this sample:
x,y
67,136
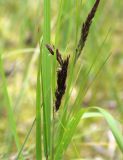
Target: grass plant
x,y
59,71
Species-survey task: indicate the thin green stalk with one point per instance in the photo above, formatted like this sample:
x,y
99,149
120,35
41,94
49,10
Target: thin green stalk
x,y
53,136
38,113
46,80
27,136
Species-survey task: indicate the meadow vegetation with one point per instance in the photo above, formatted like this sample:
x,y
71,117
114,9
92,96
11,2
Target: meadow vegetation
x,y
61,80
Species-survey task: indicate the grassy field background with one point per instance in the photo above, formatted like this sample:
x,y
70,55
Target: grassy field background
x,y
21,25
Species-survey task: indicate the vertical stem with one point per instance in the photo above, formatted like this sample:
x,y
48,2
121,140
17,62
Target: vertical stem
x,y
53,132
46,80
38,113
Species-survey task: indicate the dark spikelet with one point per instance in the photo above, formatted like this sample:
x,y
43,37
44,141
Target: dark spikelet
x,y
61,75
61,82
58,54
50,48
59,58
85,29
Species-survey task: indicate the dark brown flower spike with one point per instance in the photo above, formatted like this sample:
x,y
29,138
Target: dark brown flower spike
x,y
61,76
61,82
85,29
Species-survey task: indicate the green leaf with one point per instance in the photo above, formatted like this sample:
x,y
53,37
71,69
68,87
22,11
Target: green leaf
x,y
72,125
68,134
46,80
38,113
91,115
113,126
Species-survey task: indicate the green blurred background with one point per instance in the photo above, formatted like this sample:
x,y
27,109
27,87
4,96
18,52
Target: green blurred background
x,y
21,25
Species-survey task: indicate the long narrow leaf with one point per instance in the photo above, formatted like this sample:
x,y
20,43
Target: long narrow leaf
x,y
113,126
38,113
46,80
27,136
68,134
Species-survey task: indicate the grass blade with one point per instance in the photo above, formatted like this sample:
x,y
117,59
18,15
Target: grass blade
x,y
27,136
38,113
68,134
113,126
9,105
46,80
